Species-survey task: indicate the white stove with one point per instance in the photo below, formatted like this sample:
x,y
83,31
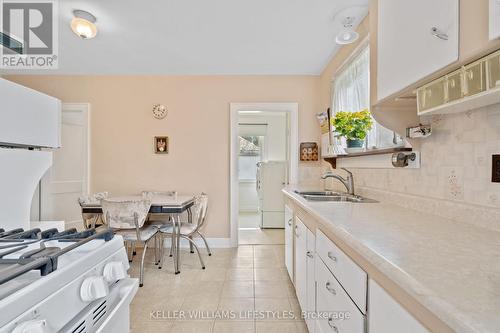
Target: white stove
x,y
86,289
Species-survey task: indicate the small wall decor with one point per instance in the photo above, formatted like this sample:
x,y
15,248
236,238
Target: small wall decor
x,y
309,151
159,111
161,145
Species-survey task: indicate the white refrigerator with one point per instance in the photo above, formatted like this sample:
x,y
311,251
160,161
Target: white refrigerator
x,y
271,178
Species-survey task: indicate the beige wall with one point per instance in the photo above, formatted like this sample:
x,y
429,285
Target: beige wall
x,y
122,128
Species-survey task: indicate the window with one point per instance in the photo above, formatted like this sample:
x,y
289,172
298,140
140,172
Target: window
x,y
351,92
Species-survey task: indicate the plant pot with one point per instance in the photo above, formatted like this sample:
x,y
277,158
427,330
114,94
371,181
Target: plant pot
x,y
355,143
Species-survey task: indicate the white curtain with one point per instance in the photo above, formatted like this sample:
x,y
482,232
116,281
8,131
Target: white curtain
x,y
351,90
351,93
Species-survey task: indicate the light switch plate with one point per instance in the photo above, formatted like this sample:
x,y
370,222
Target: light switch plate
x,y
495,169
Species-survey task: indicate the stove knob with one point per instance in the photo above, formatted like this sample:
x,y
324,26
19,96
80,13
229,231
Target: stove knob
x,y
32,326
93,288
114,271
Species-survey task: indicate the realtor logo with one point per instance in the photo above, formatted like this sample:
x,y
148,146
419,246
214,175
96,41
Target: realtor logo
x,y
29,34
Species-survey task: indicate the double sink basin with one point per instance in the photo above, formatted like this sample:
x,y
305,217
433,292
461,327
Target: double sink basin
x,y
333,196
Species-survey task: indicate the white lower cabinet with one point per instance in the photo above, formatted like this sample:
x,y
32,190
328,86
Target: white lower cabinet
x,y
338,313
332,289
289,241
305,282
387,315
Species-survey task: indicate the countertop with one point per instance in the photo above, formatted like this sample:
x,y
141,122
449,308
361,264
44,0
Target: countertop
x,y
451,268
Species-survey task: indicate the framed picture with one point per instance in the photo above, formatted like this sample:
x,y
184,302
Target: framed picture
x,y
161,145
309,151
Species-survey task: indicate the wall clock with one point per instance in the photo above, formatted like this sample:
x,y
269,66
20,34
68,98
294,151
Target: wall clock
x,y
159,111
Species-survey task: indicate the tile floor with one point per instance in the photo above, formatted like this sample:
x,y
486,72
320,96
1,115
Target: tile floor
x,y
261,236
237,281
251,234
249,219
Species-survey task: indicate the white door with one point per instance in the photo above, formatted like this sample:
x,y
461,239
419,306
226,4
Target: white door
x,y
408,48
68,178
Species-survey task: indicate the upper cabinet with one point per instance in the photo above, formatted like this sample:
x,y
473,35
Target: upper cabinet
x,y
415,39
414,42
494,11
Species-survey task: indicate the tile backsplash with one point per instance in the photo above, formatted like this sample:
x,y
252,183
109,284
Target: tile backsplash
x,y
455,173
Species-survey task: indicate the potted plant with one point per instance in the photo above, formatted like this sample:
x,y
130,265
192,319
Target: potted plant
x,y
353,126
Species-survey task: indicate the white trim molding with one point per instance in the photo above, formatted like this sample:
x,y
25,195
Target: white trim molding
x,y
292,109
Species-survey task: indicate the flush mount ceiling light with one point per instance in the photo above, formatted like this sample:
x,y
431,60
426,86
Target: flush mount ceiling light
x,y
83,24
347,35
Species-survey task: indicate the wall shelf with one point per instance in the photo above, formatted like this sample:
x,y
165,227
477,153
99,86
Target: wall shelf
x,y
369,152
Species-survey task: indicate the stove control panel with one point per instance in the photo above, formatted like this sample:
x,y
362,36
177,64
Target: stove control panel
x,y
114,271
93,288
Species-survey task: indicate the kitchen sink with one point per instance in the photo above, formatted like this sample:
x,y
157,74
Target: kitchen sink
x,y
333,197
319,193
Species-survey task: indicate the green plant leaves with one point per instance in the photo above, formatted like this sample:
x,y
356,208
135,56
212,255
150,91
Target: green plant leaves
x,y
352,125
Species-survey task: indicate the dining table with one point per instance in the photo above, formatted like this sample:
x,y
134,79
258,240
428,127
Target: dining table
x,y
173,205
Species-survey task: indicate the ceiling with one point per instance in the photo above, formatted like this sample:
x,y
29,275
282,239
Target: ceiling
x,y
200,37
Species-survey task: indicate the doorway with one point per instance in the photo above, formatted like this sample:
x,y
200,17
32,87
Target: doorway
x,y
56,198
263,156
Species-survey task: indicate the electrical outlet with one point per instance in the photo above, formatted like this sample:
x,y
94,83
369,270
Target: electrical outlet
x,y
495,169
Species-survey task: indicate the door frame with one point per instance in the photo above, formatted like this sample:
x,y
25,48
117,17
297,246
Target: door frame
x,y
292,110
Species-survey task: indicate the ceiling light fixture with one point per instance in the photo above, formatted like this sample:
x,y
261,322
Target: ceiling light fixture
x,y
347,35
83,24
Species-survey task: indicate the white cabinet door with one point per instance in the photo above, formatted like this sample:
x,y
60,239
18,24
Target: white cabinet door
x,y
387,315
301,262
311,280
494,19
408,48
289,241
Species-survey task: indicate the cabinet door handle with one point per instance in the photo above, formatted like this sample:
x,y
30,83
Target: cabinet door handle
x,y
330,288
296,231
439,34
332,257
290,222
309,254
332,325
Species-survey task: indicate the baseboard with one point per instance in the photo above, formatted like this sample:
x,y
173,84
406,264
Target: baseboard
x,y
214,243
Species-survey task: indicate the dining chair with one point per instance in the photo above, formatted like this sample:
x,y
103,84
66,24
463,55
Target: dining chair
x,y
91,201
158,219
128,219
189,230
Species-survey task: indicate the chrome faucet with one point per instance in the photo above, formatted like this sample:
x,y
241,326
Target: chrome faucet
x,y
348,183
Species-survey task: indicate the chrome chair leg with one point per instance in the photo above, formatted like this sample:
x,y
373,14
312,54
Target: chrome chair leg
x,y
172,244
141,276
162,254
206,243
197,250
129,251
156,249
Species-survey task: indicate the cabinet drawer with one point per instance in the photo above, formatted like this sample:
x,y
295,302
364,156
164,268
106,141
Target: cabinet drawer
x,y
337,311
475,78
348,273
